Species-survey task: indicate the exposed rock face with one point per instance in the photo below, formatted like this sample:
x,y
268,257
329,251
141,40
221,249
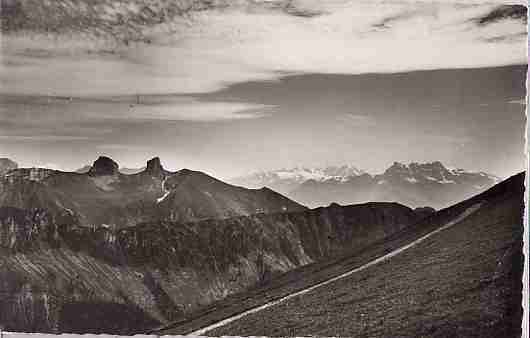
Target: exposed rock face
x,y
154,168
154,273
104,166
7,165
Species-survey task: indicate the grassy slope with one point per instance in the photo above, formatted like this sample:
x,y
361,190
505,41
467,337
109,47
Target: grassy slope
x,y
464,281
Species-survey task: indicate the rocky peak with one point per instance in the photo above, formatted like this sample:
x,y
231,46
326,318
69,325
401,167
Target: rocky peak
x,y
104,166
154,168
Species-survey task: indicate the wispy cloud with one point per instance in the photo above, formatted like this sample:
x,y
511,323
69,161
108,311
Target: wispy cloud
x,y
44,138
86,116
357,120
127,147
211,49
193,110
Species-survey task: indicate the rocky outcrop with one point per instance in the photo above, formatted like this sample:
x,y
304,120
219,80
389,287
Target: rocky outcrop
x,y
104,166
154,168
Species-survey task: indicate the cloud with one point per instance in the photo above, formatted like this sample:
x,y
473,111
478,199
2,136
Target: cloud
x,y
127,147
357,120
88,117
43,138
194,110
211,49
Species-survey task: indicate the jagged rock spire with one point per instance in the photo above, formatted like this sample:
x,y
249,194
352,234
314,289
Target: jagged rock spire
x,y
154,168
104,166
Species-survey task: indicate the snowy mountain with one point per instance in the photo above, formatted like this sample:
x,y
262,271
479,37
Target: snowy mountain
x,y
414,184
286,180
435,172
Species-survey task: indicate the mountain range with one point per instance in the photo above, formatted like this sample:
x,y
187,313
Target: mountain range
x,y
287,180
145,251
414,184
103,196
136,252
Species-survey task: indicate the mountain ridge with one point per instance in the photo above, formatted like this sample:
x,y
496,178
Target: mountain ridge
x,y
414,184
103,196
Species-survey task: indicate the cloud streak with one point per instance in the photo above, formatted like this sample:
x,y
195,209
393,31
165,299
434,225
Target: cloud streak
x,y
43,138
214,48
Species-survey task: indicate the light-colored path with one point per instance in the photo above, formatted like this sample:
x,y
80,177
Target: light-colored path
x,y
223,322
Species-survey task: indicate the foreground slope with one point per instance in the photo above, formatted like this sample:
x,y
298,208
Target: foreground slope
x,y
462,281
133,279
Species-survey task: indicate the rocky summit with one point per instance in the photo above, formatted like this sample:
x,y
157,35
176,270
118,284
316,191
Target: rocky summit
x,y
154,168
104,166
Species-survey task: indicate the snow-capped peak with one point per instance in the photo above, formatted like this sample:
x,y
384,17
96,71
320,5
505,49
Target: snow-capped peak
x,y
302,174
434,172
284,180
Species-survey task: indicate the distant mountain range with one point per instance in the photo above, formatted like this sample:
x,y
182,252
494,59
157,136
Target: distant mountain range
x,y
287,180
103,196
415,184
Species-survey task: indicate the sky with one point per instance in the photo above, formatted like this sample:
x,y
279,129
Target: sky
x,y
257,87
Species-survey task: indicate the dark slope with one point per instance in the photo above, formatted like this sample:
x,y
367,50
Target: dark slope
x,y
463,281
105,197
195,195
158,272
